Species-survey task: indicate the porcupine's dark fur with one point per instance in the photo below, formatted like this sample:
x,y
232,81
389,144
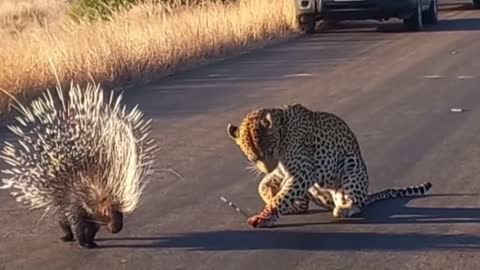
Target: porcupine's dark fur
x,y
81,158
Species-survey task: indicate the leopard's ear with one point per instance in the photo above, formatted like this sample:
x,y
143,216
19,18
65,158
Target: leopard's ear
x,y
232,131
268,120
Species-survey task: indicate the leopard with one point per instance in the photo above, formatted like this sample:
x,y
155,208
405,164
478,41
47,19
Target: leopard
x,y
307,156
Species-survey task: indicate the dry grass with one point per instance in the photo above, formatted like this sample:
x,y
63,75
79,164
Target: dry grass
x,y
143,40
21,16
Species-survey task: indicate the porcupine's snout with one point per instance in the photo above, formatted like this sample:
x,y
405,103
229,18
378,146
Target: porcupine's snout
x,y
116,223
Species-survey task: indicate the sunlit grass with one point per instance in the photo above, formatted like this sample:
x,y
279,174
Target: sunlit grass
x,y
148,38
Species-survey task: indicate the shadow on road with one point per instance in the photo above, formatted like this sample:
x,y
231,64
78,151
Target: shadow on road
x,y
459,24
304,240
443,25
281,238
396,212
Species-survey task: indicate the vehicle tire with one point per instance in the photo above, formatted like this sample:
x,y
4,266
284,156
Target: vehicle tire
x,y
476,4
415,22
307,24
430,16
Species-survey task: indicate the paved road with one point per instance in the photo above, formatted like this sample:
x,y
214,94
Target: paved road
x,y
380,82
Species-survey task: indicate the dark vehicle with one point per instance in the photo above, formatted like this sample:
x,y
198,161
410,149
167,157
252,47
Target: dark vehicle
x,y
414,13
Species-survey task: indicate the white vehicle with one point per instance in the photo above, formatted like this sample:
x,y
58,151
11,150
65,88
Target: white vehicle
x,y
414,13
308,13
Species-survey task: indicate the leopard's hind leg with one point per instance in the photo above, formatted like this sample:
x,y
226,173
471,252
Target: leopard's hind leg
x,y
352,194
321,197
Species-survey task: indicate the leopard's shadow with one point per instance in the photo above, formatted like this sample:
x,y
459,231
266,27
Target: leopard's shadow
x,y
396,211
386,212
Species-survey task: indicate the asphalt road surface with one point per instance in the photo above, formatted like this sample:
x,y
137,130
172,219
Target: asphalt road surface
x,y
395,89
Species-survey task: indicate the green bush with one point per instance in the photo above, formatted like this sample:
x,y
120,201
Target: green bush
x,y
99,9
104,9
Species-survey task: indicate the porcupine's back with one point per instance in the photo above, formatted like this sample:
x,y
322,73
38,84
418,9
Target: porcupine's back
x,y
74,151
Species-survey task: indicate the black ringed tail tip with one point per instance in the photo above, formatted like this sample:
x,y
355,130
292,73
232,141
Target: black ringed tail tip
x,y
427,185
423,188
399,193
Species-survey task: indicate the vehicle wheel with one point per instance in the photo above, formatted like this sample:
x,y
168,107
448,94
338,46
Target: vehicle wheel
x,y
415,22
430,16
307,24
476,4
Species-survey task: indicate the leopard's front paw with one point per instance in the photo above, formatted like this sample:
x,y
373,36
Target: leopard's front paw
x,y
339,213
345,212
260,221
265,219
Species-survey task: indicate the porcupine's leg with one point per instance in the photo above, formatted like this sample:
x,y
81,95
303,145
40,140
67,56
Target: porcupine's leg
x,y
91,230
65,226
79,228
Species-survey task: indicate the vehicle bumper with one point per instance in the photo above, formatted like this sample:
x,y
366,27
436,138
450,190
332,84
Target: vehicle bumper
x,y
307,7
367,9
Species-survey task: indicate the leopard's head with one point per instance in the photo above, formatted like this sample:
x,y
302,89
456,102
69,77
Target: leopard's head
x,y
258,137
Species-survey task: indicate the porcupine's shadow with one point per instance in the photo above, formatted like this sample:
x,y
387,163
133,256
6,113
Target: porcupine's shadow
x,y
293,237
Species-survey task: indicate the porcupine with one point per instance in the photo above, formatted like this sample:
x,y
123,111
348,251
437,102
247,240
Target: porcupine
x,y
81,158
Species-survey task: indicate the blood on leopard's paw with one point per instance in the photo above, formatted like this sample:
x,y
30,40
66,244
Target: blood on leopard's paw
x,y
254,221
261,221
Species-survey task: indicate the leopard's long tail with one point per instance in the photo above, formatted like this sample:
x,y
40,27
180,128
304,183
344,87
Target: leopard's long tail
x,y
392,193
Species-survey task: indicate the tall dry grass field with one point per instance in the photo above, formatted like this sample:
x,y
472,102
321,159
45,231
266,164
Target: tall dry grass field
x,y
21,16
148,38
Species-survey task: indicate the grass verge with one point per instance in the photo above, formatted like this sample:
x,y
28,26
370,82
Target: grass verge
x,y
148,39
22,16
